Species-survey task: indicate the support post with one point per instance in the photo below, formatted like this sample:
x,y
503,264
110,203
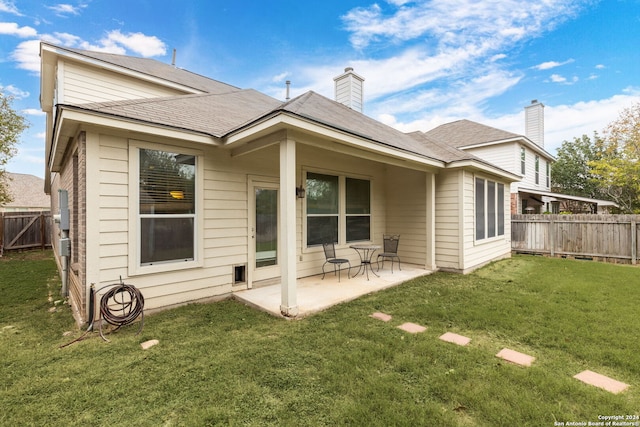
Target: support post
x,y
431,223
289,300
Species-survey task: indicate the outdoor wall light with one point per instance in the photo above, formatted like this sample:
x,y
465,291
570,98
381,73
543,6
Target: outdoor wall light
x,y
300,192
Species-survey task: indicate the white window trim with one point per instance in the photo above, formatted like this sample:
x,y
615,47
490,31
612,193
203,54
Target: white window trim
x,y
497,237
135,268
342,208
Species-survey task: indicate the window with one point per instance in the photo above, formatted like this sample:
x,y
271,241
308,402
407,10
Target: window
x,y
548,175
338,209
523,167
537,169
489,206
167,209
322,209
358,203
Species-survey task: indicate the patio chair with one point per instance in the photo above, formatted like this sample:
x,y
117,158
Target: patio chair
x,y
389,250
330,258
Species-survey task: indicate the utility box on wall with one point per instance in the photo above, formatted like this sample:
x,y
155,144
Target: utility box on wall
x,y
64,209
65,247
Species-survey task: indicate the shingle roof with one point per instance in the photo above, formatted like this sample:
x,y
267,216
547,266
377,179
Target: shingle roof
x,y
218,115
227,108
27,191
160,70
463,133
321,109
211,114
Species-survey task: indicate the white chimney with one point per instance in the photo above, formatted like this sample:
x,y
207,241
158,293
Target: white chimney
x,y
534,122
349,89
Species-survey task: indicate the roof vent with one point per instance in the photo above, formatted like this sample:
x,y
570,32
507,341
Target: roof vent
x,y
349,89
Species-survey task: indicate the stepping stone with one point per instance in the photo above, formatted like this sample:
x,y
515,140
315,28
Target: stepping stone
x,y
455,338
381,316
412,328
148,344
601,381
515,357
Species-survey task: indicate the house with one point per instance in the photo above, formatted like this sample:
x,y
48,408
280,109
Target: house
x,y
519,154
26,193
192,189
523,155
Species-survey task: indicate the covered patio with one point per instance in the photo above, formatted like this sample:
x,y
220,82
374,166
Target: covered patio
x,y
315,294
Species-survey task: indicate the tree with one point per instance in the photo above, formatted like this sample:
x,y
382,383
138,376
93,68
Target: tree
x,y
617,171
11,126
571,173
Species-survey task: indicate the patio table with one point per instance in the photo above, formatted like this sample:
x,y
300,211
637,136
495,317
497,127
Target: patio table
x,y
365,252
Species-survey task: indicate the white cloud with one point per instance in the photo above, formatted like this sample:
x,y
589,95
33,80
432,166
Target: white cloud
x,y
552,64
557,78
600,67
451,22
33,112
280,77
9,7
27,53
136,42
17,93
64,9
12,29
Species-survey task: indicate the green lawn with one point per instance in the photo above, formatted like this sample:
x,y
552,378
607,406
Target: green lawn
x,y
227,364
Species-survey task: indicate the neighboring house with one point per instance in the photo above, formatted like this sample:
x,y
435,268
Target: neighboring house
x,y
192,189
27,192
521,155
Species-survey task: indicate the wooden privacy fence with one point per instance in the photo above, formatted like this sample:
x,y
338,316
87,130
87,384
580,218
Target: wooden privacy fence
x,y
612,238
24,230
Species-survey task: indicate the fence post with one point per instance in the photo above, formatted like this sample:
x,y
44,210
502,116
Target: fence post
x,y
552,234
1,233
634,242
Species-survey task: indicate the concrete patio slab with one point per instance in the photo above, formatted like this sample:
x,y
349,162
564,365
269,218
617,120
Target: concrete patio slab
x,y
601,381
455,338
412,328
315,294
515,357
381,316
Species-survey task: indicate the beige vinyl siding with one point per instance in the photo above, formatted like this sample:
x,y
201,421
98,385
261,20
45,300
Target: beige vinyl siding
x,y
80,84
399,201
407,213
500,155
478,253
447,217
168,288
507,157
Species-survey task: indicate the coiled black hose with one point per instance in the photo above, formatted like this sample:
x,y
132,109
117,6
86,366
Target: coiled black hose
x,y
121,305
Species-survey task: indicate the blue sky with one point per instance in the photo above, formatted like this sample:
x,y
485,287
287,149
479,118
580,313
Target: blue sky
x,y
424,62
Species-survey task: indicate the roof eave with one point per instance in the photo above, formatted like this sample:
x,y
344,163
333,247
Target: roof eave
x,y
568,197
516,139
478,165
69,119
67,54
279,119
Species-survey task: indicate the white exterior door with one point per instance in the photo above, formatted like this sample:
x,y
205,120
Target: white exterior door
x,y
264,252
